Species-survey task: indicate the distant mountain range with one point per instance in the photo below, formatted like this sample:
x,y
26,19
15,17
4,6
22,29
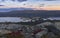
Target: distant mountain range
x,y
30,13
13,9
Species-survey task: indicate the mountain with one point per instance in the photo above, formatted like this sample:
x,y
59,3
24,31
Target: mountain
x,y
13,9
31,13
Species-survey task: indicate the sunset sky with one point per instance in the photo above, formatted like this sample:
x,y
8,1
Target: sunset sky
x,y
35,4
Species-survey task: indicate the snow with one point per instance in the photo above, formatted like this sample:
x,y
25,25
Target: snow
x,y
54,18
13,9
12,19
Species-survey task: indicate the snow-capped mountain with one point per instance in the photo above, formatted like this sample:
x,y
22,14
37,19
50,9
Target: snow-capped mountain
x,y
13,9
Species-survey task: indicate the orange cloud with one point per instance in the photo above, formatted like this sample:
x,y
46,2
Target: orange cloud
x,y
52,8
35,7
49,8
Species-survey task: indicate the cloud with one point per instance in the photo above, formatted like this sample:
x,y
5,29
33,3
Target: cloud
x,y
47,0
51,0
22,0
45,4
12,0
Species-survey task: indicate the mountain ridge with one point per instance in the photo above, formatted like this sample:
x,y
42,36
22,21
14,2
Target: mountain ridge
x,y
31,13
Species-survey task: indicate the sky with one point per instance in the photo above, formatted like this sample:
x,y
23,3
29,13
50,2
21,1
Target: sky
x,y
35,4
